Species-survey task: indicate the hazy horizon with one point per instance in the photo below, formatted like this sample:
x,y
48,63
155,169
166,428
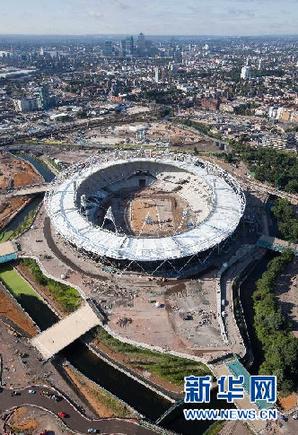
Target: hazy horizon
x,y
111,17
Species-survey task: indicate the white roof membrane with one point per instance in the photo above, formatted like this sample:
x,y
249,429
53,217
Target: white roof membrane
x,y
227,209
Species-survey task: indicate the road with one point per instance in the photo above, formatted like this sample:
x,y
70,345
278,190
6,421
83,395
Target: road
x,y
75,420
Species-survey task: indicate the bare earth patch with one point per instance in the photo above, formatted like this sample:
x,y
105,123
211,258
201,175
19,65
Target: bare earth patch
x,y
11,311
34,421
103,403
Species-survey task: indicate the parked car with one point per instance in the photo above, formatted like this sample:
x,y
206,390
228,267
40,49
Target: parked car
x,y
32,391
92,430
56,397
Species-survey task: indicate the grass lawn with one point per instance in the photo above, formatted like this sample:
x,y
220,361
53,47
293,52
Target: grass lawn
x,y
5,235
167,367
215,428
27,222
68,298
15,283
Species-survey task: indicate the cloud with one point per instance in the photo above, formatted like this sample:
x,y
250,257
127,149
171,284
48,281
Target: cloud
x,y
95,14
241,13
123,5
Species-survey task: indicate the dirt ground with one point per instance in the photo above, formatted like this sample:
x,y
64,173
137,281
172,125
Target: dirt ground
x,y
10,207
34,421
235,428
149,133
10,310
151,214
128,296
93,394
14,173
289,402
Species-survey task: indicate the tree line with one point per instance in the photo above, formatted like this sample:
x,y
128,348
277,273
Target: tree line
x,y
273,329
279,168
287,219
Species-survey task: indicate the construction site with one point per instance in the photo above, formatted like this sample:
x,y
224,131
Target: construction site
x,y
14,173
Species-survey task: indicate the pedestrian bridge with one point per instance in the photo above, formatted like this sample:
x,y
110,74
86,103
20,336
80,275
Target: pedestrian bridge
x,y
30,190
277,245
64,332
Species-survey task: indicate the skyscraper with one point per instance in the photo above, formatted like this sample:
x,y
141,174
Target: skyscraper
x,y
156,74
43,99
127,47
245,73
108,49
141,43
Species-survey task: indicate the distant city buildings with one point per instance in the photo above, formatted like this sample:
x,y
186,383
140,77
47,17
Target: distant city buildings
x,y
41,100
198,80
283,114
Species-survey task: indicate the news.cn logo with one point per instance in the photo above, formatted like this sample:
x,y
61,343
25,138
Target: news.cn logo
x,y
197,389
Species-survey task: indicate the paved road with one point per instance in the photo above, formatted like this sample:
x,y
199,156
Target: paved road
x,y
75,420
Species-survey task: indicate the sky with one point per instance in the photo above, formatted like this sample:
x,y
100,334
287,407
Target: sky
x,y
152,17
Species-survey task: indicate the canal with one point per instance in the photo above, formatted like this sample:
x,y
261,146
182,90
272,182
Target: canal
x,y
246,290
41,167
21,217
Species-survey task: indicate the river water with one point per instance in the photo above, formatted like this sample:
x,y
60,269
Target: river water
x,y
39,166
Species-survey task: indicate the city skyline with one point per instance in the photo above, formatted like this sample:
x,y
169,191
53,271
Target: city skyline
x,y
169,17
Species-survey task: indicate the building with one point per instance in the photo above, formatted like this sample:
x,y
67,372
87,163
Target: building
x,y
141,44
26,104
156,74
108,49
127,47
87,210
211,104
283,114
291,141
245,72
43,97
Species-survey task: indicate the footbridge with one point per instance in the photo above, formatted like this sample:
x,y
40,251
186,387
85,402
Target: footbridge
x,y
169,411
66,331
276,245
29,190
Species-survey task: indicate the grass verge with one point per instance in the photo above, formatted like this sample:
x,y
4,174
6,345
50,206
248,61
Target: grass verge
x,y
67,298
15,283
167,367
13,234
215,428
104,403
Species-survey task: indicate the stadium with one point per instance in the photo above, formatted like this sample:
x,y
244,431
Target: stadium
x,y
154,213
